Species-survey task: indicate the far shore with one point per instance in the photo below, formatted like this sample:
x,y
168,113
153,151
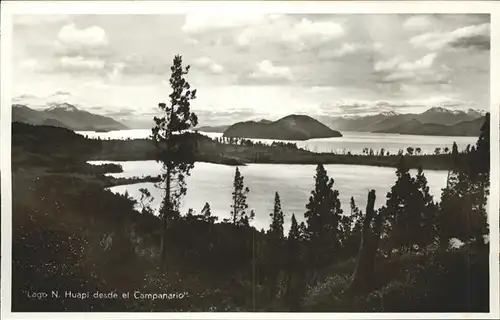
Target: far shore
x,y
238,155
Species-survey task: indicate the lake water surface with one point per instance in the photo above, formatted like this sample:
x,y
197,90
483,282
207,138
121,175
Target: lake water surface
x,y
351,141
212,183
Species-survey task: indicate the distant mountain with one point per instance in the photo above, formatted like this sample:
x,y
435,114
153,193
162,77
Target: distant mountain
x,y
476,113
356,123
54,123
64,115
445,116
292,127
464,128
21,113
213,128
264,121
390,121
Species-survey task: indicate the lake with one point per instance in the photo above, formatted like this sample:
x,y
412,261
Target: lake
x,y
351,141
212,183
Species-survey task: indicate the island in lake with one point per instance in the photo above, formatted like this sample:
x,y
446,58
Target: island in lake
x,y
292,127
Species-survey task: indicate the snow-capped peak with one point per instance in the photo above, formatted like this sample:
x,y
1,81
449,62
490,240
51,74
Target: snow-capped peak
x,y
389,113
62,106
439,110
350,117
476,112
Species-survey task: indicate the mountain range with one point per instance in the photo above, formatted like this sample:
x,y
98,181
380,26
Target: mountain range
x,y
292,127
434,121
415,127
65,115
221,128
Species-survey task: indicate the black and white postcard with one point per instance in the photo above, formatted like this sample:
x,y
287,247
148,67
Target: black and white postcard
x,y
218,160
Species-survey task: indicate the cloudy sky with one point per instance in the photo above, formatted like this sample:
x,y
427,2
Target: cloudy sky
x,y
254,66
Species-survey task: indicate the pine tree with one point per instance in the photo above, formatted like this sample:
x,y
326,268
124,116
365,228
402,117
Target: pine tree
x,y
454,149
482,158
426,230
351,229
277,218
206,211
145,201
294,234
206,214
463,212
293,245
175,148
345,229
357,217
238,208
402,210
363,274
455,155
323,216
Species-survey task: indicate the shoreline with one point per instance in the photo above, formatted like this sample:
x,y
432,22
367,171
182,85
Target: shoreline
x,y
242,155
246,164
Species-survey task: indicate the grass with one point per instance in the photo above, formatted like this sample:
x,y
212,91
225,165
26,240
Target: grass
x,y
444,282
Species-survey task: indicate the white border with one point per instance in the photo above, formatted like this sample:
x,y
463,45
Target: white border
x,y
171,7
494,210
5,146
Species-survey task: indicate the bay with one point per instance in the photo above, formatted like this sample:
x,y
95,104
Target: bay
x,y
213,183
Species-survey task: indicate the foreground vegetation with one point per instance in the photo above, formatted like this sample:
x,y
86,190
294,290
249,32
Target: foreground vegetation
x,y
72,235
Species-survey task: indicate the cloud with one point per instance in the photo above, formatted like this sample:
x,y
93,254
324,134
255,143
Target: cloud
x,y
422,70
206,22
319,31
29,64
61,93
399,64
121,112
355,107
141,64
224,117
271,58
34,65
87,41
116,71
41,101
350,49
266,70
287,30
424,78
475,36
80,63
417,22
206,63
25,98
246,30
